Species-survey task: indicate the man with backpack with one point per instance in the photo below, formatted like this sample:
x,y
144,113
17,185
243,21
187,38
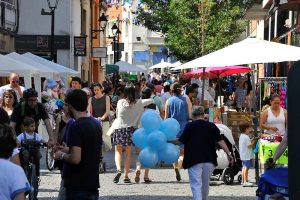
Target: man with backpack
x,y
30,107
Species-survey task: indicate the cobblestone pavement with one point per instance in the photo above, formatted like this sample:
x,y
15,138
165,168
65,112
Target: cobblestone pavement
x,y
164,185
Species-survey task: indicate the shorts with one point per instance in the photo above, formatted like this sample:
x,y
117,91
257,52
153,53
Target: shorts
x,y
247,163
123,136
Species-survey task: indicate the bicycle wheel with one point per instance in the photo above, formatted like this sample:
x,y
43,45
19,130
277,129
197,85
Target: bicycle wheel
x,y
49,159
34,183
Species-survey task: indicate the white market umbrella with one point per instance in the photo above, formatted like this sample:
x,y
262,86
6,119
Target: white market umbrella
x,y
248,51
127,67
45,71
161,65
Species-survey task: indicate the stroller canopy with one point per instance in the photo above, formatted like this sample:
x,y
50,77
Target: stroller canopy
x,y
224,130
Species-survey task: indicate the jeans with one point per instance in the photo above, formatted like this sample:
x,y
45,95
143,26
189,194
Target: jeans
x,y
199,175
82,194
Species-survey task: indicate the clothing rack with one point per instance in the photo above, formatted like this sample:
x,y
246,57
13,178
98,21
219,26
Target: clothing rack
x,y
279,79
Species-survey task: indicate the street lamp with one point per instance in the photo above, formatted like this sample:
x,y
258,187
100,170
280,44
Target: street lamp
x,y
52,4
116,33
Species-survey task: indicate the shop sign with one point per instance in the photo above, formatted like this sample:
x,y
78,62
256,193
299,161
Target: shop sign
x,y
80,46
100,52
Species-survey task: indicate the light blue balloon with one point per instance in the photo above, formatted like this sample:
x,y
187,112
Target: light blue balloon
x,y
148,157
157,140
169,154
151,120
139,138
170,127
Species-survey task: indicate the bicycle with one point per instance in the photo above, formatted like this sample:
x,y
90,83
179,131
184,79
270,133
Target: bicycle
x,y
29,166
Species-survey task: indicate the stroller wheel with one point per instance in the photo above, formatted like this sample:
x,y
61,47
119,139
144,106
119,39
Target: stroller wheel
x,y
239,178
227,176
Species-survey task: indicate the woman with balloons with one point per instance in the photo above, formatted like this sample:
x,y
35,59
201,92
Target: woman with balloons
x,y
200,157
178,107
128,115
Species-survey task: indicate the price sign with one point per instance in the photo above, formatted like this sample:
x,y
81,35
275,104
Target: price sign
x,y
268,150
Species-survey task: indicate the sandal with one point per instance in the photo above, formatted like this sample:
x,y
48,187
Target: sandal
x,y
137,176
117,177
127,180
178,177
147,180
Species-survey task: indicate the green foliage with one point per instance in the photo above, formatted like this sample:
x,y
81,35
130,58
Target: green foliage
x,y
186,23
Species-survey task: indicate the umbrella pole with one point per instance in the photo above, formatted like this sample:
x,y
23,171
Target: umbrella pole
x,y
203,87
220,96
255,122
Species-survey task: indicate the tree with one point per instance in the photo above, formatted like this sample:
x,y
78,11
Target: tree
x,y
193,28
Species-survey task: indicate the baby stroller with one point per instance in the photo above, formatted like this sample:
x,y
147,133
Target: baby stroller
x,y
224,170
273,181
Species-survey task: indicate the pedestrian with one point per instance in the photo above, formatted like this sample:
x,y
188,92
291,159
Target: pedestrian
x,y
75,83
129,111
146,94
245,146
14,81
200,158
81,155
63,124
179,108
274,119
240,95
4,119
30,107
166,93
13,181
9,101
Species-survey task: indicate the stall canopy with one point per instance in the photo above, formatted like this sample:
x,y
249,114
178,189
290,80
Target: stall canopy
x,y
27,71
44,70
127,67
52,65
248,51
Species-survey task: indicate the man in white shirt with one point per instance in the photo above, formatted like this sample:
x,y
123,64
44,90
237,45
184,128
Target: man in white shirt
x,y
14,80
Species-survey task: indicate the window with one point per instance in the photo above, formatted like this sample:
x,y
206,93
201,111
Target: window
x,y
83,22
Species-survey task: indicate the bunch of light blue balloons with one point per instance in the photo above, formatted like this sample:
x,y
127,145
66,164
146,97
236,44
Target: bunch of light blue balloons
x,y
153,139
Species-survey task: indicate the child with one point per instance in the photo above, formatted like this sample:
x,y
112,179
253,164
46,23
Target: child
x,y
245,145
30,136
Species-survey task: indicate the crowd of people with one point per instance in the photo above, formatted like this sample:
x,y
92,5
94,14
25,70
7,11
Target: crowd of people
x,y
91,119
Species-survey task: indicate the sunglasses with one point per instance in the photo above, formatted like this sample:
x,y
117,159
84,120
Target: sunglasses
x,y
15,81
8,97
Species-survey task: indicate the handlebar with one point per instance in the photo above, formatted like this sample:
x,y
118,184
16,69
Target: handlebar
x,y
32,145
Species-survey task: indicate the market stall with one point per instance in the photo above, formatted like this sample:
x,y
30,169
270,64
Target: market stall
x,y
64,72
248,51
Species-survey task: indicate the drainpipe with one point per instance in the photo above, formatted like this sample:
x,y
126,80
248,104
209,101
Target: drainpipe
x,y
91,43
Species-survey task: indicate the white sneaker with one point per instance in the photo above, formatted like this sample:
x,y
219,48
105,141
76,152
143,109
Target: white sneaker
x,y
247,184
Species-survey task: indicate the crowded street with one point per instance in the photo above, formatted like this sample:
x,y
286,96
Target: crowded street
x,y
164,186
149,99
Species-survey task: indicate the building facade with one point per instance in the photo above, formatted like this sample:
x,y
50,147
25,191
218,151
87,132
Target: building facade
x,y
8,25
139,46
72,19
